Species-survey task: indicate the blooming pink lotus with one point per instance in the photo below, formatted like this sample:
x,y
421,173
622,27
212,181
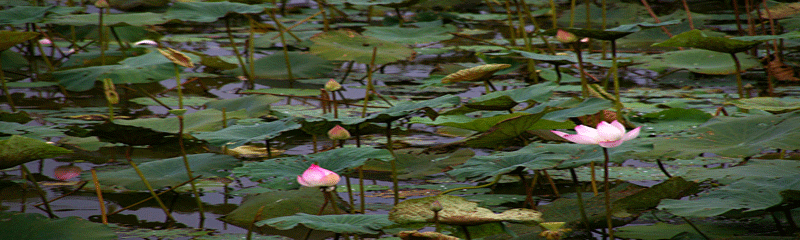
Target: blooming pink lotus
x,y
607,135
316,176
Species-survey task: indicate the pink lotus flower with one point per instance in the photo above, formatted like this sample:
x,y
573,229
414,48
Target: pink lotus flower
x,y
66,172
338,133
45,41
316,176
607,135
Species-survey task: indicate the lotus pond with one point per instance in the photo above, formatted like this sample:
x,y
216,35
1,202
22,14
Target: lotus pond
x,y
495,119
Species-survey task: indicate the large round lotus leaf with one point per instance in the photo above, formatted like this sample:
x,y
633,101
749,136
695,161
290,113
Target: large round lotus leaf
x,y
617,32
303,66
279,204
552,59
256,105
167,172
501,103
33,226
11,38
18,150
699,39
412,163
474,74
481,167
31,14
662,230
125,5
734,137
344,45
411,35
209,11
200,121
119,19
385,3
671,120
347,223
697,60
769,104
238,135
481,124
457,211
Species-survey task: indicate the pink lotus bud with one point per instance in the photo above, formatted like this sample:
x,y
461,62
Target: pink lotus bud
x,y
316,176
67,172
338,133
45,41
332,85
101,4
566,37
146,42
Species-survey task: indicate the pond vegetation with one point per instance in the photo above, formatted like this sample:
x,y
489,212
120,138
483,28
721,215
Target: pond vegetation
x,y
399,119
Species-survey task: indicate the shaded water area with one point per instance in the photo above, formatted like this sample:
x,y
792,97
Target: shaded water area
x,y
710,142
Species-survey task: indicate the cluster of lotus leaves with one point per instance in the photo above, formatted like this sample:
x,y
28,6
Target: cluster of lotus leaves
x,y
457,211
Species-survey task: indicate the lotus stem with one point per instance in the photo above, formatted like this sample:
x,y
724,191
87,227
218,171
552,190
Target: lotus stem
x,y
369,82
554,15
287,29
466,232
285,47
330,198
552,183
5,89
102,38
251,59
572,13
512,31
581,208
189,169
655,17
594,181
688,14
604,22
269,148
47,62
151,197
99,197
663,169
150,189
695,228
584,82
350,194
38,190
607,195
253,223
739,86
236,51
361,196
65,195
496,179
393,162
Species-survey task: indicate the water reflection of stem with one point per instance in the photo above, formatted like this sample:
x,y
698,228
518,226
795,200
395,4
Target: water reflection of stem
x,y
38,190
253,223
584,218
151,197
99,197
607,195
150,189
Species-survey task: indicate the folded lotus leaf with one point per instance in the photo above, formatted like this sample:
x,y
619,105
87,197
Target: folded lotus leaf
x,y
457,211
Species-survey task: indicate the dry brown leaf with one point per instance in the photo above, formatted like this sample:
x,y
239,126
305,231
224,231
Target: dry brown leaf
x,y
778,69
781,11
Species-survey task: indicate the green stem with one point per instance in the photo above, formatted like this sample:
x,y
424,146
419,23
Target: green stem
x,y
235,50
189,170
5,88
38,190
584,218
496,179
739,86
607,195
102,38
150,189
395,184
361,196
584,82
285,47
178,86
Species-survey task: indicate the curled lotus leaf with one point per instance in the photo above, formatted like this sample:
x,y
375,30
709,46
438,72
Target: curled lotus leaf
x,y
177,57
699,39
457,211
425,235
474,74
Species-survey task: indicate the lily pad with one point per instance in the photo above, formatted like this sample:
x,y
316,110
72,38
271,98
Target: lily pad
x,y
344,45
415,164
285,203
303,66
349,223
119,19
209,11
411,35
38,227
699,39
662,230
238,135
167,172
696,60
256,105
200,121
18,150
32,14
769,104
457,211
671,120
481,167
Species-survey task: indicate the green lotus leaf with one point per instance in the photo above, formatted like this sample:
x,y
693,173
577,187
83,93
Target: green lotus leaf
x,y
572,108
210,11
735,137
696,60
552,59
481,167
500,103
662,230
303,66
279,204
11,38
256,105
32,14
348,223
385,3
118,19
743,196
200,121
481,124
671,120
580,154
18,150
286,91
508,131
538,93
617,32
284,171
769,104
238,135
411,35
173,101
406,108
755,168
344,45
699,39
414,163
147,68
166,172
34,226
457,211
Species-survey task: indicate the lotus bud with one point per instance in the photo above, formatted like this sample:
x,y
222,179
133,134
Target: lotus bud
x,y
316,176
45,41
338,133
146,42
101,4
566,37
111,91
436,206
67,172
553,230
332,85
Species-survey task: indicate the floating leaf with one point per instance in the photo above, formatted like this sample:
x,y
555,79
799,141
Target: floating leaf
x,y
769,104
284,203
671,120
345,45
349,223
415,163
474,74
662,230
209,11
11,38
18,150
238,135
32,14
167,172
411,35
481,167
697,60
115,20
200,121
304,65
699,39
457,211
33,226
